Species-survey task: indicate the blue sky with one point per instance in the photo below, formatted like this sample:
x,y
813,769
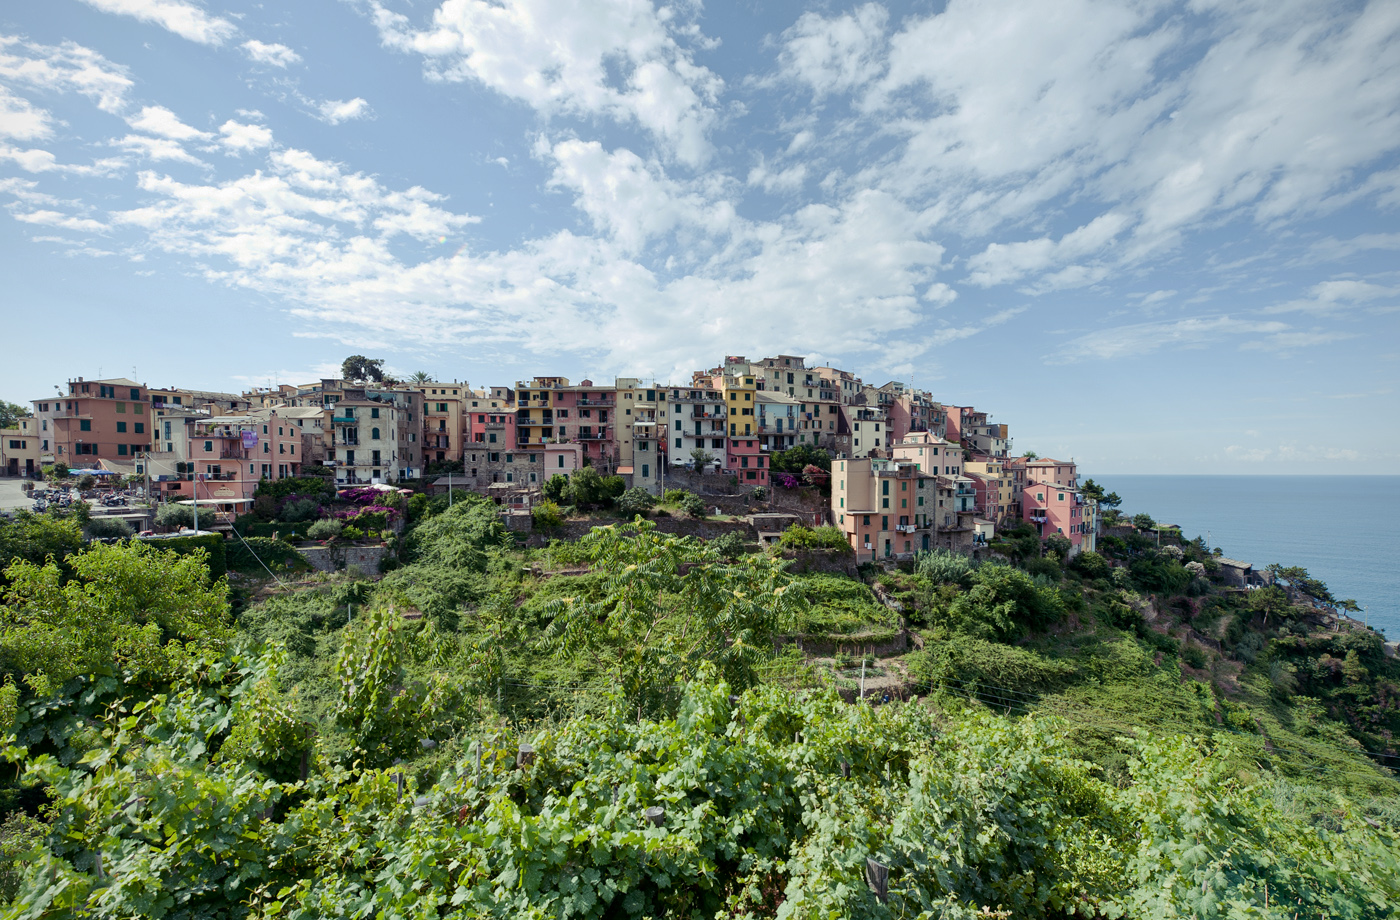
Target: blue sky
x,y
1155,237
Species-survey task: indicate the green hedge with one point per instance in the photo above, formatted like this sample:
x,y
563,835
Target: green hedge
x,y
277,555
212,543
269,529
310,486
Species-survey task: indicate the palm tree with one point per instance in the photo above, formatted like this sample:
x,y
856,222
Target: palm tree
x,y
421,377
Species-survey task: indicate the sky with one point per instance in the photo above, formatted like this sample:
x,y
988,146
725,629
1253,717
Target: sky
x,y
1153,237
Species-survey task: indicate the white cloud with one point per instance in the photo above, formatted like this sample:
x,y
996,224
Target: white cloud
x,y
238,136
633,201
555,55
156,148
940,294
1336,296
335,111
21,120
158,120
785,181
68,67
1144,338
837,54
1288,343
270,53
183,18
35,160
63,221
1001,263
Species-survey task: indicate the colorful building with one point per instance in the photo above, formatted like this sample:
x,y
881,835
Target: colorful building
x,y
95,419
886,508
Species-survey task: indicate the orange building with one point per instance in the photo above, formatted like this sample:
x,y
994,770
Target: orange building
x,y
95,420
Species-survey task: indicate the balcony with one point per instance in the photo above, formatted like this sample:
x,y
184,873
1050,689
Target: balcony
x,y
232,453
343,419
712,414
596,402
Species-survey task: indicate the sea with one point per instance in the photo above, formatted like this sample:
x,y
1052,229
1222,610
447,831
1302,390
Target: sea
x,y
1344,530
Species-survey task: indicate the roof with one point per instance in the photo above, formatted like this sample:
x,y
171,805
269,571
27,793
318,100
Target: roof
x,y
119,381
1234,563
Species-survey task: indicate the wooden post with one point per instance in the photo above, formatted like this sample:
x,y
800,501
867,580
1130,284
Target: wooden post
x,y
655,815
525,756
476,751
845,770
398,781
877,876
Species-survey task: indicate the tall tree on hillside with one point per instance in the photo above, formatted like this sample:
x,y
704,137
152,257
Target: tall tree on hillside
x,y
1095,491
11,413
358,367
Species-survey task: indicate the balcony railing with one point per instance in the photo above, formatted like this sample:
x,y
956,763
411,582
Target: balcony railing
x,y
232,453
596,402
343,419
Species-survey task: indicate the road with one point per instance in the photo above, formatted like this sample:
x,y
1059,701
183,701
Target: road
x,y
12,496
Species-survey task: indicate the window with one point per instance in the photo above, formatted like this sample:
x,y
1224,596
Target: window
x,y
121,450
492,438
121,427
884,503
135,393
121,408
495,458
140,427
646,471
208,446
374,434
885,523
561,461
678,442
85,424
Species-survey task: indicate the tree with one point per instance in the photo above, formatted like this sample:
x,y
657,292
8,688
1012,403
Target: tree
x,y
795,459
556,488
546,515
1297,577
1143,521
1095,491
108,528
358,367
1268,601
38,537
702,458
670,606
11,413
174,515
128,606
633,502
1031,455
421,377
586,489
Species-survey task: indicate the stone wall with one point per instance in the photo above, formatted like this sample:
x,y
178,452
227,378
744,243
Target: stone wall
x,y
336,558
689,527
823,561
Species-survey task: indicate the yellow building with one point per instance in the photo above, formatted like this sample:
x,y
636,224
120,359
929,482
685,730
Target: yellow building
x,y
19,449
994,470
444,420
739,400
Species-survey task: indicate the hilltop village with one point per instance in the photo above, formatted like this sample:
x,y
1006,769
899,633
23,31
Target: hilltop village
x,y
905,472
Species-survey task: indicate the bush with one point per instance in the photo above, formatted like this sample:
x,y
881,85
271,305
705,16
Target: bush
x,y
730,545
1091,565
546,516
945,567
277,555
327,529
693,505
963,660
799,536
211,543
556,488
174,515
1194,655
299,510
352,533
87,482
108,529
634,501
312,486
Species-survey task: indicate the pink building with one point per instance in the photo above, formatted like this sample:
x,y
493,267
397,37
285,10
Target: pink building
x,y
1055,509
745,458
490,420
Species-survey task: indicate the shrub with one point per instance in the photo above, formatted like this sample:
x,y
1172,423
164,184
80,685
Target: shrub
x,y
634,501
729,545
251,554
546,515
799,536
352,533
313,486
693,505
108,529
182,516
298,510
1091,565
87,482
556,488
327,529
945,567
1194,655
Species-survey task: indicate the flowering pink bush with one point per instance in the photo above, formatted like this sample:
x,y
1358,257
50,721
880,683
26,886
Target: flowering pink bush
x,y
360,495
786,480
